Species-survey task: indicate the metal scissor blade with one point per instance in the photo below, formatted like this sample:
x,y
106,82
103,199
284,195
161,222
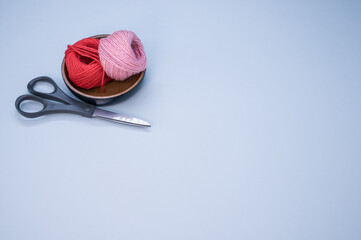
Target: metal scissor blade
x,y
111,116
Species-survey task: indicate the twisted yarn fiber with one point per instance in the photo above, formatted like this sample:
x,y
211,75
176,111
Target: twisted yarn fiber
x,y
83,64
122,55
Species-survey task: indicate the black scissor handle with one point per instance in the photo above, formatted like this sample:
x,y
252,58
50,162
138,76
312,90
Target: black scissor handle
x,y
49,107
25,97
56,95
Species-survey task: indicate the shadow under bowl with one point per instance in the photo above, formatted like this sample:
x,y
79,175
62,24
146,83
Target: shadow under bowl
x,y
113,90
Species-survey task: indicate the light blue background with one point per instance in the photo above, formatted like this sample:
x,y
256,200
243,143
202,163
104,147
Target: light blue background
x,y
256,113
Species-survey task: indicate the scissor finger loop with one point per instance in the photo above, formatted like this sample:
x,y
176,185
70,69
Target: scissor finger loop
x,y
44,79
56,95
29,97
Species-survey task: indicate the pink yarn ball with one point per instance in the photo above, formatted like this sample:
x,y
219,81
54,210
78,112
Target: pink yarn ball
x,y
122,55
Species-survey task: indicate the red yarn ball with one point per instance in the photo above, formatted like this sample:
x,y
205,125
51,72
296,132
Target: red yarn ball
x,y
83,64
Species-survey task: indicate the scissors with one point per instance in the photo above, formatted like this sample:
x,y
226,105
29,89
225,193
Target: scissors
x,y
62,103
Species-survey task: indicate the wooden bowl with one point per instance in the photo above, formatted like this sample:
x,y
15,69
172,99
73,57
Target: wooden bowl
x,y
113,89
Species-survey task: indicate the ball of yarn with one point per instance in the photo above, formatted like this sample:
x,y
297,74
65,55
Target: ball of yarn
x,y
83,64
122,55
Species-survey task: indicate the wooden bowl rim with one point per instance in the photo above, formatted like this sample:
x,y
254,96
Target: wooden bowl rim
x,y
66,80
